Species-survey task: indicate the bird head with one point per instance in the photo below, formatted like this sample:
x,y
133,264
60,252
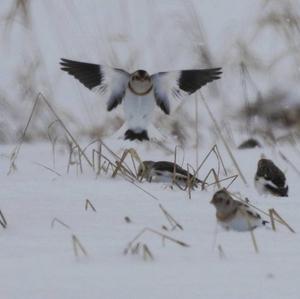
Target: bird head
x,y
140,82
144,170
223,201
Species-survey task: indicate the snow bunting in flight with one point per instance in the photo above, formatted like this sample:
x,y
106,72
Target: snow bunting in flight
x,y
270,179
139,91
163,171
233,214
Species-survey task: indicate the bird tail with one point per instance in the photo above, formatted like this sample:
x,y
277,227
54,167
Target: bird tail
x,y
131,135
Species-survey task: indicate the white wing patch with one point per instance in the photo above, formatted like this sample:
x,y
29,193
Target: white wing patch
x,y
114,84
166,89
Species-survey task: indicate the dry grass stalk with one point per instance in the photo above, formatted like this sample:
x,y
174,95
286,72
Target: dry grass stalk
x,y
219,158
135,249
77,247
74,158
48,168
251,230
53,141
18,8
15,152
217,180
81,152
224,140
161,235
174,166
142,189
89,204
99,158
272,219
163,146
190,182
56,220
174,224
197,130
216,151
121,165
221,252
147,253
3,221
284,157
274,214
232,178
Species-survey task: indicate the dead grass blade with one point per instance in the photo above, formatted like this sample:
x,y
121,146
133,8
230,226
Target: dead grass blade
x,y
174,224
3,221
122,166
221,252
273,215
15,152
224,140
78,247
48,168
251,230
70,135
161,235
88,204
284,157
217,180
56,220
147,253
232,178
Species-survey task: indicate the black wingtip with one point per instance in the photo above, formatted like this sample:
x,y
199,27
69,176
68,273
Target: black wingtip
x,y
192,80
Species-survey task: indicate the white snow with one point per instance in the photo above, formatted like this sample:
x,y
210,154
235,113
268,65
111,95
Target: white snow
x,y
37,260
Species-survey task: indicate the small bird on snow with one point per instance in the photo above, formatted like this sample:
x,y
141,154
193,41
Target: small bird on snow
x,y
270,179
233,214
139,91
163,171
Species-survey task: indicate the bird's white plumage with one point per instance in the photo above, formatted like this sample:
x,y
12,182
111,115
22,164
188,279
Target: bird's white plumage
x,y
114,83
241,221
138,110
167,89
260,184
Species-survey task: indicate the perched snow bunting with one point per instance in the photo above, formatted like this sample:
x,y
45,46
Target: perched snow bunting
x,y
139,91
233,214
269,178
163,171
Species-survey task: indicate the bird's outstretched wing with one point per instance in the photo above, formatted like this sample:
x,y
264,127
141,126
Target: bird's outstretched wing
x,y
177,84
100,79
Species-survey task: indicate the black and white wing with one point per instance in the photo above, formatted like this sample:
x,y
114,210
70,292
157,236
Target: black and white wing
x,y
177,84
99,79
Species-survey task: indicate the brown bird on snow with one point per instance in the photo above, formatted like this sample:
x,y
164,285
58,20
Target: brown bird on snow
x,y
233,214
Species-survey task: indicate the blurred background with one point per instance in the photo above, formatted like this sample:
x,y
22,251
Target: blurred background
x,y
256,42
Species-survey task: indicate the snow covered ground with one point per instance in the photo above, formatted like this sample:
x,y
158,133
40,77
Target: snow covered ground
x,y
38,260
44,205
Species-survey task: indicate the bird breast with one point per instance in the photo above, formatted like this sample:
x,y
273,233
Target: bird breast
x,y
138,110
140,88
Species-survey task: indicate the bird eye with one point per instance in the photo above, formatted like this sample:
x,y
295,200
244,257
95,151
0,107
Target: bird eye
x,y
227,202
